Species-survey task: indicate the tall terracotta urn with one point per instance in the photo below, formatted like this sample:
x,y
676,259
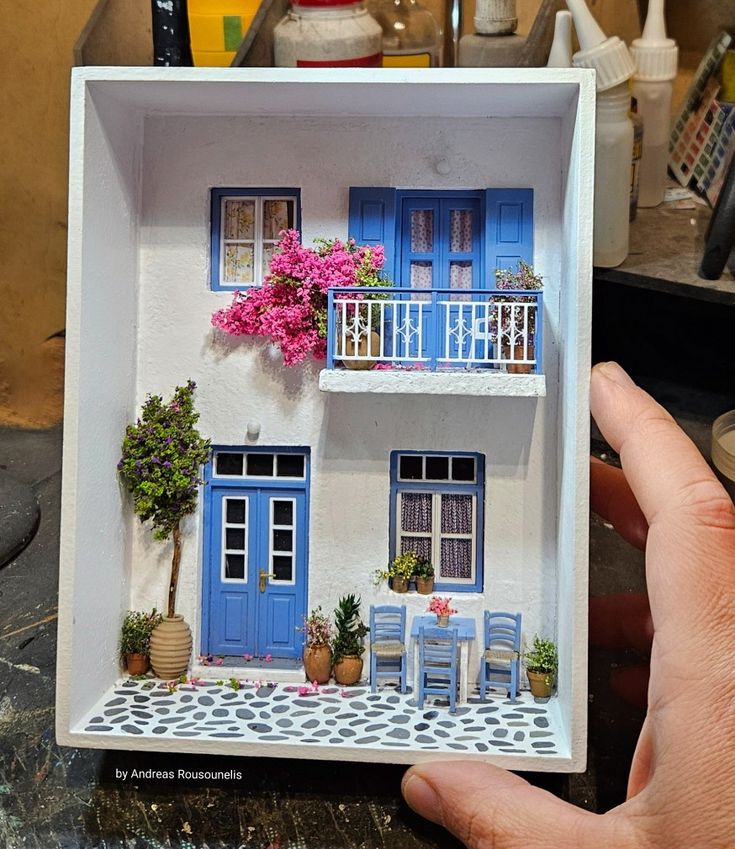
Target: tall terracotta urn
x,y
171,647
317,664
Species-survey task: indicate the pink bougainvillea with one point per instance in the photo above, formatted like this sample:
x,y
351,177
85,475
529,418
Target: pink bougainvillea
x,y
291,306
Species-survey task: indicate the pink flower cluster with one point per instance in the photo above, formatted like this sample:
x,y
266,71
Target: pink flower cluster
x,y
291,306
440,606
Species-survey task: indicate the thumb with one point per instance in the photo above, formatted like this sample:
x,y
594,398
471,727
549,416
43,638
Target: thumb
x,y
485,806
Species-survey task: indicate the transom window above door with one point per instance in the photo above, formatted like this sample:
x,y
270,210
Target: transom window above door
x,y
259,464
246,224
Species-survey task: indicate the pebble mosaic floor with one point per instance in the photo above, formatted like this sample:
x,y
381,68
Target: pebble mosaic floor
x,y
338,717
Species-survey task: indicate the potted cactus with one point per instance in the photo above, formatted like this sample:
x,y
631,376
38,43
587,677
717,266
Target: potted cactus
x,y
162,454
347,644
542,663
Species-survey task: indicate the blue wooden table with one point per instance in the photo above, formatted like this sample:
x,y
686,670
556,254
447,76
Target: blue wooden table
x,y
466,632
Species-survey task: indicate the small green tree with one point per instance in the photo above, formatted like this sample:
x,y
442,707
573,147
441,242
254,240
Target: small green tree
x,y
349,629
162,454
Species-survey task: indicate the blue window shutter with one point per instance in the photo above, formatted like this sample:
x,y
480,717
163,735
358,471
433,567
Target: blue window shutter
x,y
508,227
372,221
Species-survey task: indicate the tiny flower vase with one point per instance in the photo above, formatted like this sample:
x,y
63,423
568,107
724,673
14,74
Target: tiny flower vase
x,y
442,620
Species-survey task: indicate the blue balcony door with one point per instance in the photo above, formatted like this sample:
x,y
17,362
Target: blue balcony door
x,y
256,570
441,244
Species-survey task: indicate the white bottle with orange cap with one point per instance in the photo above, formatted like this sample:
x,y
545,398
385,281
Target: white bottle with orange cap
x,y
656,58
612,61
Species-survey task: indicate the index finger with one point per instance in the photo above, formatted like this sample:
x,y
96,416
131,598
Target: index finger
x,y
691,541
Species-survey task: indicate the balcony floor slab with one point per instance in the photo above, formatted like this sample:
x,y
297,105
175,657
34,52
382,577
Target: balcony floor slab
x,y
397,382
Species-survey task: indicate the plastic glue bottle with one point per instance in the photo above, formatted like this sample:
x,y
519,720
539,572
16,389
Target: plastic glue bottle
x,y
560,55
614,138
656,58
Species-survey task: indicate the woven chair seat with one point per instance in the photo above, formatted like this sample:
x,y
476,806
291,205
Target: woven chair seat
x,y
388,648
502,655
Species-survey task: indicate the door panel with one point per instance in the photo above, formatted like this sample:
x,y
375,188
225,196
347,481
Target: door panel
x,y
257,570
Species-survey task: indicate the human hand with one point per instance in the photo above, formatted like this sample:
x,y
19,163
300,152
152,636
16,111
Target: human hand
x,y
681,789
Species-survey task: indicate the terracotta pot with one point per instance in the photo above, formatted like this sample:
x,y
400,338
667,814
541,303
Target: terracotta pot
x,y
518,353
170,647
136,664
348,670
399,585
442,621
362,351
425,586
541,684
317,664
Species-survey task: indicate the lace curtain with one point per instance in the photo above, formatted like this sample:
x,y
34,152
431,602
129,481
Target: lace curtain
x,y
456,518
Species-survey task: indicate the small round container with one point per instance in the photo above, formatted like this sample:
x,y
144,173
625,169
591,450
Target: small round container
x,y
723,450
328,34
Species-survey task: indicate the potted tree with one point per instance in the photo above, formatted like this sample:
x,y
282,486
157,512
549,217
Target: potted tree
x,y
160,465
541,666
424,576
513,326
347,645
135,639
317,652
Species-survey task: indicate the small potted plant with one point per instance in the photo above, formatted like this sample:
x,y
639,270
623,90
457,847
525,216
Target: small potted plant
x,y
542,663
507,323
401,570
443,610
424,576
162,454
347,644
317,652
135,639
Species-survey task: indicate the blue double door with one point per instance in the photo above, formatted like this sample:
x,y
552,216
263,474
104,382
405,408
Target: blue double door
x,y
256,570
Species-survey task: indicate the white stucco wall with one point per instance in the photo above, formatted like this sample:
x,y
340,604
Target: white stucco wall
x,y
350,436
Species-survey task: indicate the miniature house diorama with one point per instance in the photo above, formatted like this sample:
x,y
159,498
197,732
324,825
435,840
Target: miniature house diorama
x,y
438,419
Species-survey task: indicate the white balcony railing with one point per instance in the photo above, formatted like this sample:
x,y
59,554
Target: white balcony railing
x,y
434,329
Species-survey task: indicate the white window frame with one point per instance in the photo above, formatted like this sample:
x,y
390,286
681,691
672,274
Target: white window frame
x,y
223,531
271,551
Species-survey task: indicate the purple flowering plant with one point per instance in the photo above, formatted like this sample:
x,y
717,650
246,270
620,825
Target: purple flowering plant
x,y
524,278
317,628
290,307
162,454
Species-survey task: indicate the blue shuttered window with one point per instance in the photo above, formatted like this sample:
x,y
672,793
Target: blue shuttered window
x,y
448,239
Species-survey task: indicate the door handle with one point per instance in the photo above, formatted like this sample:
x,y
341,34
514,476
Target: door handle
x,y
263,579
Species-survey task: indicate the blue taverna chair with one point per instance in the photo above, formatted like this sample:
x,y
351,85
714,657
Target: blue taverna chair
x,y
438,664
388,644
500,664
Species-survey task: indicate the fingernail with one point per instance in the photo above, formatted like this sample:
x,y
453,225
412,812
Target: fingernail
x,y
420,796
612,371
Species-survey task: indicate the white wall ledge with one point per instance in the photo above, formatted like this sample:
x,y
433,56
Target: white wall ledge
x,y
433,383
